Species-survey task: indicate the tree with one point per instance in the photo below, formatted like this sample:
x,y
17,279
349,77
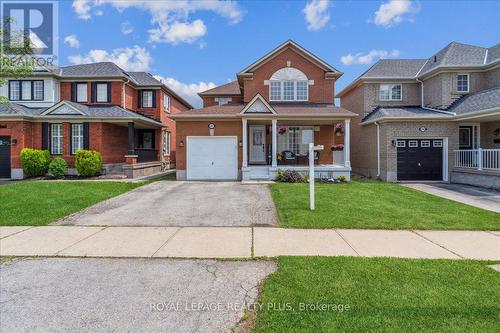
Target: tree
x,y
15,62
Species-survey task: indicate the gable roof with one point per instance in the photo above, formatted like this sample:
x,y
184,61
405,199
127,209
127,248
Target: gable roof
x,y
493,54
291,44
231,88
394,68
258,105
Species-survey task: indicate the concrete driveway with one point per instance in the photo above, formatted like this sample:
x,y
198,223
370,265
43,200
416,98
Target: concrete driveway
x,y
168,203
470,195
127,295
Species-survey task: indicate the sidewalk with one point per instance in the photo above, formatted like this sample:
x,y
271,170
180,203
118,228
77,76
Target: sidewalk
x,y
244,242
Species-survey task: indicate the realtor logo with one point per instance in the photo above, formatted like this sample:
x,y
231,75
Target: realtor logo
x,y
29,24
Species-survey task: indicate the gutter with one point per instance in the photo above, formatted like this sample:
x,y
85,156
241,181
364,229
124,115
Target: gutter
x,y
378,149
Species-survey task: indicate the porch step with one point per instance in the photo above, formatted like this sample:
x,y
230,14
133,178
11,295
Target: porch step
x,y
259,173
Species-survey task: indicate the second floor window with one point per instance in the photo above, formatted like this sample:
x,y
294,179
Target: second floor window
x,y
102,93
166,103
81,92
463,83
390,92
288,90
26,90
223,100
147,99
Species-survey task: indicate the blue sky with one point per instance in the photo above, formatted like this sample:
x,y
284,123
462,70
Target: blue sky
x,y
194,45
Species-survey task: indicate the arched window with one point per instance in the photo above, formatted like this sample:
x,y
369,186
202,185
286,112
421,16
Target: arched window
x,y
288,84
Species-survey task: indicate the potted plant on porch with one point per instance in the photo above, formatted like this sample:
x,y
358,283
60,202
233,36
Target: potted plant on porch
x,y
339,129
338,153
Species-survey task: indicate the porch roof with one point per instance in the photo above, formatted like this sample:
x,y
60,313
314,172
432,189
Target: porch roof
x,y
283,110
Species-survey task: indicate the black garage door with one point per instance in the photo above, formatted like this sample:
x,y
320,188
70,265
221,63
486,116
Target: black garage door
x,y
4,157
420,159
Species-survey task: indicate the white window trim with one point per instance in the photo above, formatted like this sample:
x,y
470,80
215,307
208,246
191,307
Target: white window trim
x,y
143,105
80,139
166,107
425,143
227,100
468,82
97,93
412,143
400,143
287,139
390,92
167,146
60,137
282,91
86,92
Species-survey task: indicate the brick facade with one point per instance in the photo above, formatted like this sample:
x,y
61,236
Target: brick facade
x,y
210,100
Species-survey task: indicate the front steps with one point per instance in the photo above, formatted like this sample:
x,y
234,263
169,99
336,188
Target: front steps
x,y
259,173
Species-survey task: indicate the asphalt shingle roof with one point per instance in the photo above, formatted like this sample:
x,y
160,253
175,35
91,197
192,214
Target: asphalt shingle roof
x,y
456,54
104,69
144,79
403,112
482,100
493,53
18,109
231,88
397,68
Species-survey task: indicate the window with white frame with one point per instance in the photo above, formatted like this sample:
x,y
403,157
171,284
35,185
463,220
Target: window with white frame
x,y
288,90
463,83
425,143
166,102
56,139
401,143
413,143
296,139
390,92
76,137
81,92
437,143
223,100
102,92
26,90
166,143
147,99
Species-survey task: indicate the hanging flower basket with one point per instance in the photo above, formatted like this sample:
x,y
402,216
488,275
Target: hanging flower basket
x,y
339,129
282,129
338,147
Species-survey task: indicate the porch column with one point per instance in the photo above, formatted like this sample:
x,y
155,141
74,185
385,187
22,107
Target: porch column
x,y
131,140
244,140
275,143
347,143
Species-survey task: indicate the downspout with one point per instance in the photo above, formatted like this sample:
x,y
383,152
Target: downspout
x,y
123,93
378,149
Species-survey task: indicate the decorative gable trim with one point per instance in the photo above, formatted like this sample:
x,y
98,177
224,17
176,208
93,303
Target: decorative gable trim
x,y
63,108
258,105
289,43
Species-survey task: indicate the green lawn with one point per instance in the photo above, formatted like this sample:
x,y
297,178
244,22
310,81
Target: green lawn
x,y
42,202
375,205
383,295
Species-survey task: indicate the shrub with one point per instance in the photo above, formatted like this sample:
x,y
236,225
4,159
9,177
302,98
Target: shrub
x,y
88,163
58,167
341,178
290,176
35,162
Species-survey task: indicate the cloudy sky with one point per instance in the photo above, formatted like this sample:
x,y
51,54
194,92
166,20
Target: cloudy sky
x,y
195,45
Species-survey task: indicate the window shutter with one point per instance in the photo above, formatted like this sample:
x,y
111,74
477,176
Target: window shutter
x,y
109,92
139,98
154,98
93,92
45,136
73,92
86,136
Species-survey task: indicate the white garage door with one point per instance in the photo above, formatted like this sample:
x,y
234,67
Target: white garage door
x,y
212,158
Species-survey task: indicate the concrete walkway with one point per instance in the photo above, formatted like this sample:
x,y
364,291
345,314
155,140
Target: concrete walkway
x,y
469,195
244,242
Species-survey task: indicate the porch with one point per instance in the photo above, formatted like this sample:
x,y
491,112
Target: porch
x,y
272,144
477,161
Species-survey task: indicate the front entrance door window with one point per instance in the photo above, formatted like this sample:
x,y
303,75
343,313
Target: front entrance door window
x,y
257,144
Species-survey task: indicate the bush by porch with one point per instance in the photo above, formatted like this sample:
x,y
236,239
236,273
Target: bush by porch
x,y
373,204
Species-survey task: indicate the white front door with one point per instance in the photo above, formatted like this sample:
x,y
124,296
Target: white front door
x,y
257,144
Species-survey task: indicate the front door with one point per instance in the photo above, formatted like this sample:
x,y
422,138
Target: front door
x,y
257,144
4,157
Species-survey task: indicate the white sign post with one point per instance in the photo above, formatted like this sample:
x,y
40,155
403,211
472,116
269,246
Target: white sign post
x,y
312,148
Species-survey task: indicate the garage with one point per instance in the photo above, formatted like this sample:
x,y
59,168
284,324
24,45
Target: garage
x,y
4,157
212,158
420,159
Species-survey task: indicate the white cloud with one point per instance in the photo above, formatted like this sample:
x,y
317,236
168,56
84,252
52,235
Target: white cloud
x,y
170,18
188,91
316,14
82,8
130,59
178,32
72,41
127,28
368,58
393,12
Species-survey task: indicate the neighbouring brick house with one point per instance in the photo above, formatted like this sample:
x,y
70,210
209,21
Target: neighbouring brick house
x,y
265,120
429,119
124,115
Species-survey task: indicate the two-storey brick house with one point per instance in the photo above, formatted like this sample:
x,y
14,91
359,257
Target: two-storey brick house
x,y
429,119
126,116
265,120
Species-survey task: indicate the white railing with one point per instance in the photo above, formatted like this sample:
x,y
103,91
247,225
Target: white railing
x,y
480,159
